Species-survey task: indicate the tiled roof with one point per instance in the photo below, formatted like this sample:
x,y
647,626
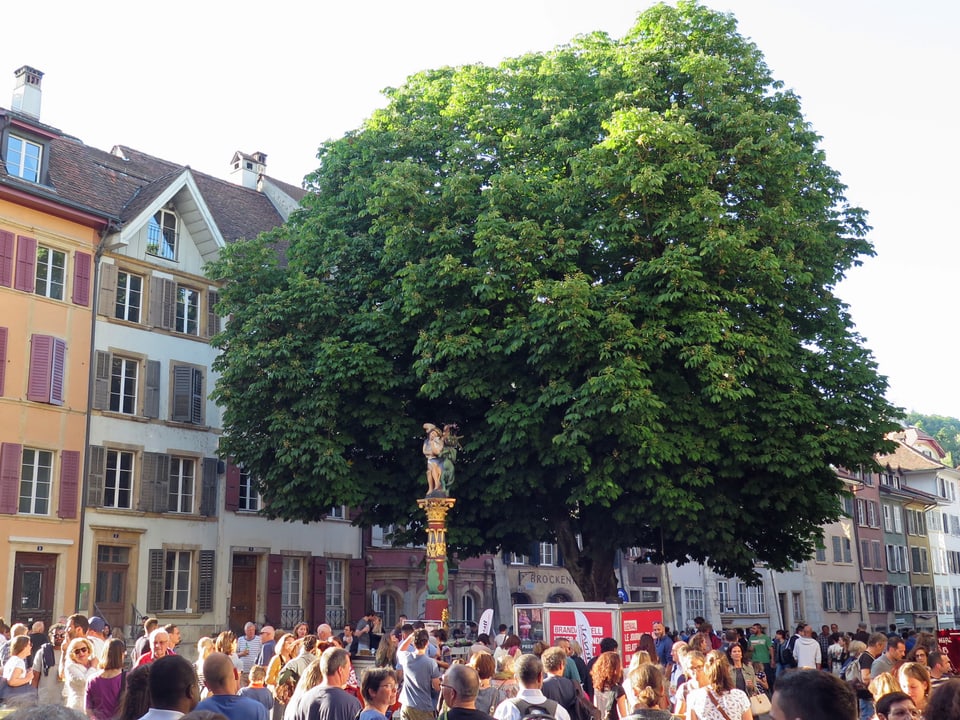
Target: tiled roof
x,y
297,193
121,183
906,458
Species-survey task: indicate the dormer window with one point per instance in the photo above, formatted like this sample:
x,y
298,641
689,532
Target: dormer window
x,y
23,158
162,235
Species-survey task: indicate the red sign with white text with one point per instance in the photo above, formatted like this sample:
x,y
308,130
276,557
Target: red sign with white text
x,y
633,624
563,625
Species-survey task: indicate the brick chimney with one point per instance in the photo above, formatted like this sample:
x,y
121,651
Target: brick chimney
x,y
26,93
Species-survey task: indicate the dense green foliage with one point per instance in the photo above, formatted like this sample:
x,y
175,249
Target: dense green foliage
x,y
946,431
612,265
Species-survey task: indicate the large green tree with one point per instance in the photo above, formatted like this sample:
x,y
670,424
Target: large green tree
x,y
612,265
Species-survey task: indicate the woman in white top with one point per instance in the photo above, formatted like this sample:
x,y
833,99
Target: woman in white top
x,y
20,690
78,668
705,702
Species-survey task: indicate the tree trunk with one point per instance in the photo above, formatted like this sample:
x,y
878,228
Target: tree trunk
x,y
590,568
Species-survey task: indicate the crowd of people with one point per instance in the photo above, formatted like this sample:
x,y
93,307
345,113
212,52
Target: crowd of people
x,y
411,674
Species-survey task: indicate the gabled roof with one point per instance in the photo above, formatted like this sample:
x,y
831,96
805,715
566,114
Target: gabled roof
x,y
120,184
906,458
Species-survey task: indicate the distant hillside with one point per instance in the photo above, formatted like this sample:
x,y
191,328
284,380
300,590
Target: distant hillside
x,y
945,429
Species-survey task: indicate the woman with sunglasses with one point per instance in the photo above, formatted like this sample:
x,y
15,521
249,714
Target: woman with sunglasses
x,y
78,668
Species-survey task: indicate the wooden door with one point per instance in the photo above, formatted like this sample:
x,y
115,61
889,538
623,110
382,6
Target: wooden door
x,y
110,592
33,587
243,597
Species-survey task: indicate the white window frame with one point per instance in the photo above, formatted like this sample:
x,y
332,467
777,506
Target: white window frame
x,y
897,519
49,262
693,604
515,559
723,596
21,168
249,498
36,482
337,512
177,579
188,304
291,584
183,485
548,554
124,385
117,480
162,239
333,591
129,300
468,608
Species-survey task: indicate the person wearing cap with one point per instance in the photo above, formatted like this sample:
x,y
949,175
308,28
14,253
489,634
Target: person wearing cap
x,y
95,635
269,646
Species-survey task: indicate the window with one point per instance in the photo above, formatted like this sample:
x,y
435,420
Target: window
x,y
123,385
468,608
847,550
865,556
162,235
249,497
897,519
877,555
176,580
548,555
129,297
337,512
868,593
750,599
692,604
334,588
847,506
188,311
796,604
23,158
36,473
723,596
290,591
821,554
48,356
872,516
118,480
920,560
51,272
387,604
828,596
188,397
837,553
887,519
515,559
861,512
180,498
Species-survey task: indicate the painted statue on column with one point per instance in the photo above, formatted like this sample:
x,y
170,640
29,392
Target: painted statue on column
x,y
440,449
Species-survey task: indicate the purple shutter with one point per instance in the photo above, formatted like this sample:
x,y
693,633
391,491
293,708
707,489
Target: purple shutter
x,y
6,258
26,278
41,361
81,279
232,497
318,590
10,455
57,370
3,357
358,588
274,588
69,484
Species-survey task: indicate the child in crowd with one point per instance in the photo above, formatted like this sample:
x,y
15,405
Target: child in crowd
x,y
257,690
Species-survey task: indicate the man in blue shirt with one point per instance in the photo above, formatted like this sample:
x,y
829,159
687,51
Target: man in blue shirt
x,y
223,681
664,646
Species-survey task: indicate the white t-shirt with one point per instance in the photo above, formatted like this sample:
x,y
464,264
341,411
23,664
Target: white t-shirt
x,y
11,665
734,702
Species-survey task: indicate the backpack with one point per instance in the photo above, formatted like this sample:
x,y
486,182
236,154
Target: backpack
x,y
786,653
851,673
529,711
48,659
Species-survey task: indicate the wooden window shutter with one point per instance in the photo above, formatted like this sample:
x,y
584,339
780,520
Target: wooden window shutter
x,y
101,380
81,278
154,482
196,396
208,495
57,371
41,363
163,303
182,393
151,400
155,583
69,484
107,299
358,593
213,320
26,277
274,588
95,475
318,593
6,258
205,580
3,357
10,457
232,496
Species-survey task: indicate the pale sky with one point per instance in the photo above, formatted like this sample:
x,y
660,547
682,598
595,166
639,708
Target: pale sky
x,y
192,84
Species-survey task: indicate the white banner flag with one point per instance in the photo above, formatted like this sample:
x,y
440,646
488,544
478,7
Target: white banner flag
x,y
486,622
584,635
